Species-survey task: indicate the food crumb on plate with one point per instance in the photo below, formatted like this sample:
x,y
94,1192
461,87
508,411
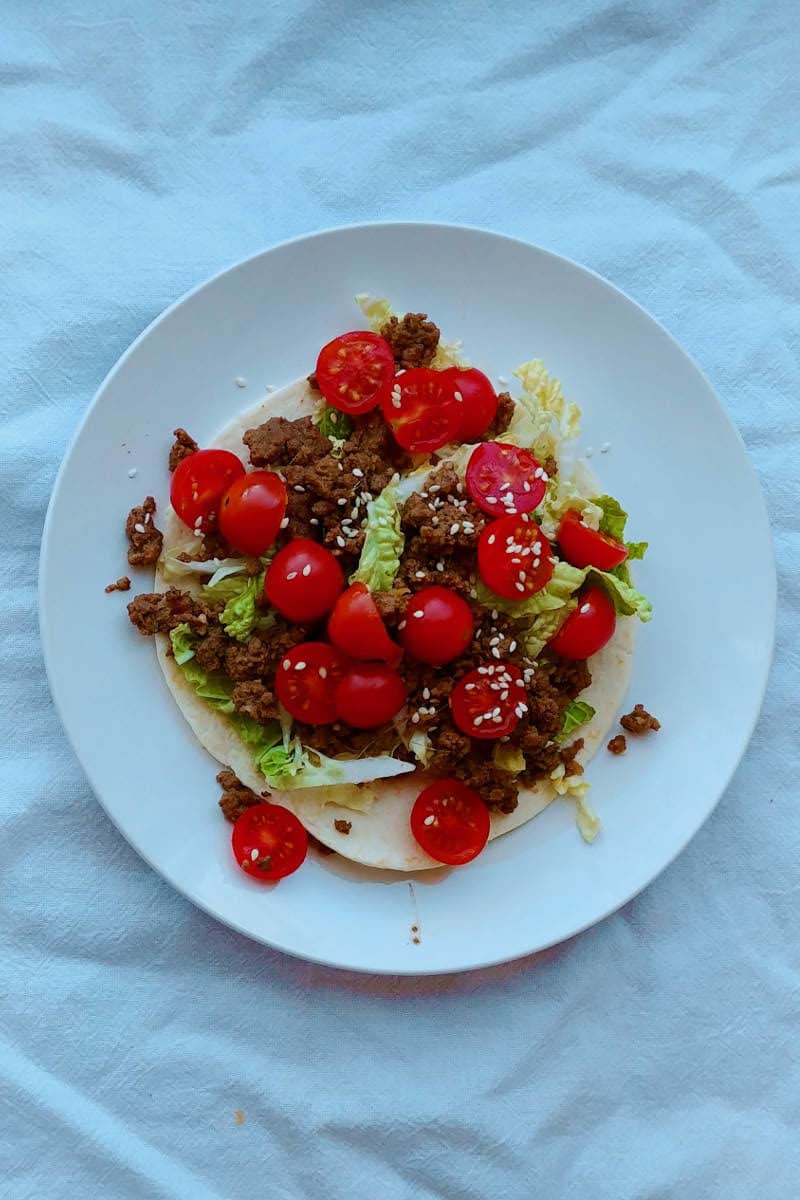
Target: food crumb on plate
x,y
120,585
240,381
639,721
342,826
238,1116
133,472
618,744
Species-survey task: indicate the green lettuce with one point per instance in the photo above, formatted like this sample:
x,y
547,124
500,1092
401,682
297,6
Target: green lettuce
x,y
508,758
213,687
183,643
575,714
377,311
627,601
564,581
383,543
241,613
334,424
545,627
561,495
614,517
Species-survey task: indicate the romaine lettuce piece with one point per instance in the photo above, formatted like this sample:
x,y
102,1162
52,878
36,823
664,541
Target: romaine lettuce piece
x,y
383,543
577,713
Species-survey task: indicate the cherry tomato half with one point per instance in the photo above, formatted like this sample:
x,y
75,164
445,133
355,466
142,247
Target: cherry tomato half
x,y
478,401
502,478
514,558
199,482
489,701
585,547
251,511
268,842
588,628
451,822
355,371
422,410
357,628
370,695
306,680
438,626
303,581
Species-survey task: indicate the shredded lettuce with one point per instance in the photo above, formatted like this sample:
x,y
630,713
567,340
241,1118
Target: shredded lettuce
x,y
614,516
627,601
377,311
421,747
241,613
334,424
383,543
545,627
210,686
565,580
183,643
508,758
575,788
636,550
308,768
561,495
575,714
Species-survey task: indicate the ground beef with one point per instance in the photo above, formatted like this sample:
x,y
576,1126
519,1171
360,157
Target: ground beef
x,y
182,447
123,584
235,796
618,744
159,612
569,759
145,540
247,660
502,418
639,721
313,383
342,826
210,651
499,790
550,465
392,605
413,338
254,699
371,448
279,443
450,748
570,676
442,516
343,739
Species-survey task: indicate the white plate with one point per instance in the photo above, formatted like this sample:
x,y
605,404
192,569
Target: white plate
x,y
675,461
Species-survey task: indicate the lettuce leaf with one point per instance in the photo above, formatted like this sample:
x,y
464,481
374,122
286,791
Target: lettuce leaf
x,y
334,424
564,581
421,747
561,495
575,788
183,643
546,390
210,686
241,613
614,517
383,543
377,311
636,550
508,758
627,601
577,713
545,627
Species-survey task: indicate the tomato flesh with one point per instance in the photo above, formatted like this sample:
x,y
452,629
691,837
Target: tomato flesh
x,y
199,482
502,478
450,822
370,695
490,701
268,842
355,371
251,511
422,410
478,401
357,628
306,681
514,558
303,581
585,547
588,628
438,626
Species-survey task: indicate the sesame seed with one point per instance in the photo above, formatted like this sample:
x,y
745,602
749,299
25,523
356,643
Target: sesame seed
x,y
454,528
402,625
298,487
429,819
307,570
354,513
504,487
132,473
469,687
254,853
434,520
538,473
284,522
359,474
426,693
340,542
415,719
139,527
512,647
419,574
300,666
478,721
315,520
521,576
342,501
491,499
292,575
585,608
495,641
545,477
418,613
519,683
286,664
323,672
440,565
240,382
588,452
606,446
457,396
536,562
504,694
395,400
520,587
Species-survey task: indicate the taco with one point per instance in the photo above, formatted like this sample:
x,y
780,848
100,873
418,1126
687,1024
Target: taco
x,y
399,597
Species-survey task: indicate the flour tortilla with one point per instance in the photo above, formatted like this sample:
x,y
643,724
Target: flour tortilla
x,y
381,836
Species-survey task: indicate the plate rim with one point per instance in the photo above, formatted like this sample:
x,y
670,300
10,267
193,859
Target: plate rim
x,y
765,665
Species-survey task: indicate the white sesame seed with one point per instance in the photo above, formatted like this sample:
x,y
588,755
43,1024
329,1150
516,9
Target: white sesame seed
x,y
340,541
300,666
419,574
526,487
292,575
323,672
354,513
512,647
286,664
588,452
478,721
429,819
434,520
402,625
359,474
298,487
585,608
240,382
521,576
519,683
395,401
342,501
307,570
520,587
504,694
538,473
491,499
536,563
254,853
139,527
606,446
418,613
426,693
545,477
457,396
504,487
132,473
415,718
315,521
537,547
495,641
497,720
284,522
454,528
469,687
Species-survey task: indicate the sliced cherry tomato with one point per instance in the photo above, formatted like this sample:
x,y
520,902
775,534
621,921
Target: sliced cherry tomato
x,y
199,482
268,842
478,401
505,478
369,695
585,547
438,626
251,511
303,581
588,628
355,371
306,680
357,628
489,701
451,822
422,410
514,558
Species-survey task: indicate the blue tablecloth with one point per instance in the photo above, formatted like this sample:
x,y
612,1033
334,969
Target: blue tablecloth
x,y
146,1051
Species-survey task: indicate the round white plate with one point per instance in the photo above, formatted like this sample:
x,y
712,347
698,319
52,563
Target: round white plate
x,y
675,462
